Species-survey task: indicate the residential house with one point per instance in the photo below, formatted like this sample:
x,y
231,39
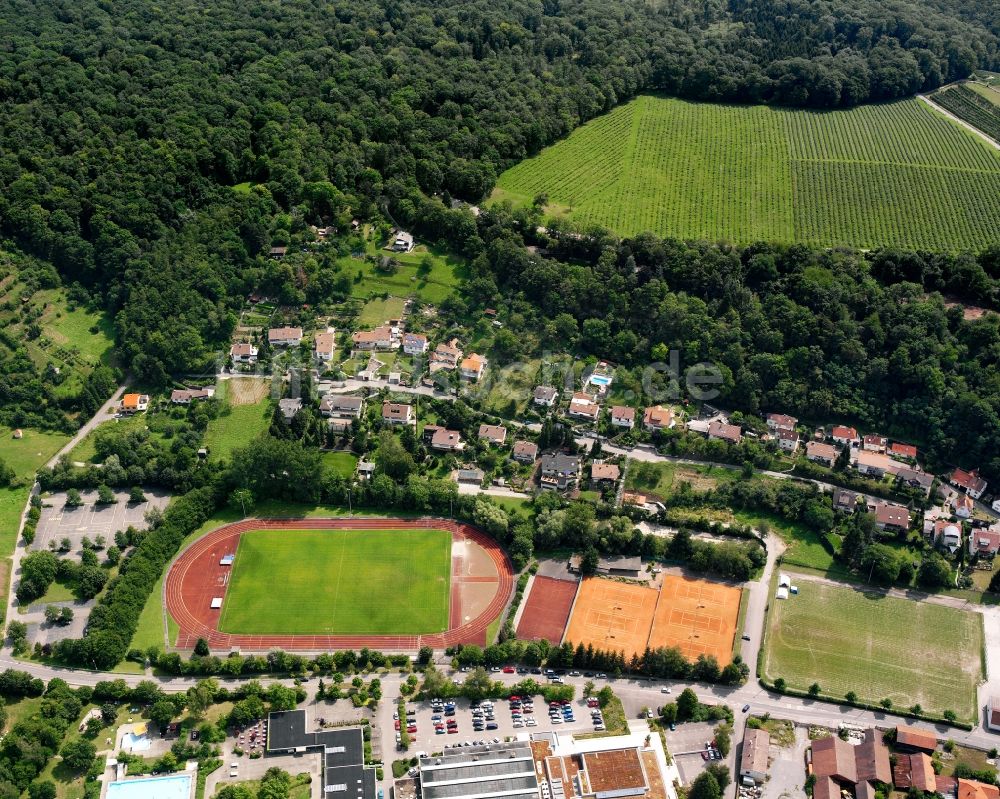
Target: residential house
x,y
658,418
473,476
496,434
984,542
913,739
970,482
871,759
289,407
905,451
633,498
472,367
546,396
622,416
398,413
875,464
582,406
604,472
445,440
781,421
875,443
753,760
365,470
339,406
834,758
819,452
243,353
725,432
277,253
134,403
845,501
525,451
446,356
948,534
403,242
839,767
892,518
185,396
380,338
325,346
284,336
415,343
559,471
847,436
788,440
963,506
914,478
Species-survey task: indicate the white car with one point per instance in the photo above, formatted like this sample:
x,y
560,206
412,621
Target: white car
x,y
518,723
234,770
530,723
666,690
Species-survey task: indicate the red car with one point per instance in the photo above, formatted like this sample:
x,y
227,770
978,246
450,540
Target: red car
x,y
508,669
397,724
411,729
452,730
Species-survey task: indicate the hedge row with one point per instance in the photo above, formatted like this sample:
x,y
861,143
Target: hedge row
x,y
894,711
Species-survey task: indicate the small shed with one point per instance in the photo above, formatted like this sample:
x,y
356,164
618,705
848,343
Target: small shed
x,y
782,593
216,602
784,580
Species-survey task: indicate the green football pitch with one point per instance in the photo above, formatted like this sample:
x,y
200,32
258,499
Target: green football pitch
x,y
339,582
911,652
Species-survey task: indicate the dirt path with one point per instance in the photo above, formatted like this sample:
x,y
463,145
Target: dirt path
x,y
993,143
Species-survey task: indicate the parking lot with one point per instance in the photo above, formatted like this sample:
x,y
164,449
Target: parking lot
x,y
90,519
427,740
686,744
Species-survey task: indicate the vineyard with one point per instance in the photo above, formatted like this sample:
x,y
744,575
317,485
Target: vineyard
x,y
898,174
971,106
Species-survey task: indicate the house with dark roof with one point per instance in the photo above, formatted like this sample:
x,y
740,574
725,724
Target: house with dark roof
x,y
339,406
559,471
873,442
545,396
845,501
721,431
788,440
914,478
993,714
914,770
289,407
892,518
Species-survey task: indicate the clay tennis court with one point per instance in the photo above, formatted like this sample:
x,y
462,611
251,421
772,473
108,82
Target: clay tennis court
x,y
698,616
547,609
612,616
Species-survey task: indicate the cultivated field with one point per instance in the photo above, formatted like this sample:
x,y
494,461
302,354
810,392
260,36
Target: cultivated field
x,y
879,647
895,174
977,105
339,582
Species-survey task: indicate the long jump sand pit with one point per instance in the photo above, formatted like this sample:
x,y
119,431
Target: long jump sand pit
x,y
697,616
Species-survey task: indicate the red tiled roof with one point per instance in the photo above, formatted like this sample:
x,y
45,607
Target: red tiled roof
x,y
915,738
903,450
833,757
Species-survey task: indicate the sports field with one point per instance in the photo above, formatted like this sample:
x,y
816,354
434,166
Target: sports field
x,y
897,174
879,647
697,616
339,582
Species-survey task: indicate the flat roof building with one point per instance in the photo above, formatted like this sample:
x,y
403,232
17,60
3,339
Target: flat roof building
x,y
505,769
344,773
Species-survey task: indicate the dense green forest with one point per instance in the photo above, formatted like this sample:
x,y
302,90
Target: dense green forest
x,y
126,125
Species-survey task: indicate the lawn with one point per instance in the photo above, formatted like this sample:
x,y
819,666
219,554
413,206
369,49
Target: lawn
x,y
433,285
879,647
377,312
234,429
894,174
340,463
339,582
663,479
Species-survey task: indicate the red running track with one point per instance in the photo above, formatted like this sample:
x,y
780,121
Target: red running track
x,y
195,577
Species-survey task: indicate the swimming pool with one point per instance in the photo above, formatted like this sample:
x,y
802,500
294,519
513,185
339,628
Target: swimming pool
x,y
600,380
176,786
136,743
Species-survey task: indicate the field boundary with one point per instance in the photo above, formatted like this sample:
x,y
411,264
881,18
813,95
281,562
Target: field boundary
x,y
186,590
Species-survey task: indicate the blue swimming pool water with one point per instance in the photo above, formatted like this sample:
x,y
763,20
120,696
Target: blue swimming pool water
x,y
600,380
137,743
177,786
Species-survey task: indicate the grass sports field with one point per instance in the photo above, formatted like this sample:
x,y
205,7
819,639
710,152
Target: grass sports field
x,y
898,174
879,647
339,582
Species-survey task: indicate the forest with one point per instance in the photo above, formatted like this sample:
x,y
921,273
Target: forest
x,y
151,153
